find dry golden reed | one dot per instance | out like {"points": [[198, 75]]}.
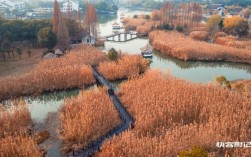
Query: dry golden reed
{"points": [[15, 126], [199, 35], [72, 70], [87, 117], [18, 147], [178, 45], [15, 120], [127, 66], [173, 115]]}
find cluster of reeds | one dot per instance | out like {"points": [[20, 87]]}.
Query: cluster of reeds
{"points": [[173, 115], [87, 117], [72, 70], [219, 34], [199, 35], [139, 24], [242, 86], [232, 41], [125, 67], [178, 45], [15, 132], [14, 120]]}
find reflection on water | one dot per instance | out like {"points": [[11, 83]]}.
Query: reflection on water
{"points": [[107, 17], [106, 21], [196, 71], [204, 72], [40, 106], [199, 71], [192, 70]]}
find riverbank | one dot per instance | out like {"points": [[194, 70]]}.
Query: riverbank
{"points": [[179, 46], [71, 71]]}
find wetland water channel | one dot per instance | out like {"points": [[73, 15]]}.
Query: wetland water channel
{"points": [[42, 106]]}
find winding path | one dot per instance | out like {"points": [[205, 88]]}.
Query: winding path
{"points": [[127, 120]]}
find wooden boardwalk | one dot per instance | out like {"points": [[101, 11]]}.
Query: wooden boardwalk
{"points": [[127, 120]]}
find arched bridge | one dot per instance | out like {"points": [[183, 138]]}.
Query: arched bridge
{"points": [[123, 36]]}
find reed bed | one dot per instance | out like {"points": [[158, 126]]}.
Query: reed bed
{"points": [[15, 120], [179, 46], [199, 35], [231, 41], [15, 132], [125, 67], [87, 117], [140, 24], [173, 115], [72, 70], [18, 147]]}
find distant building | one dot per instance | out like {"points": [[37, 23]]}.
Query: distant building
{"points": [[12, 4], [71, 5], [44, 10], [216, 7], [89, 40], [236, 11]]}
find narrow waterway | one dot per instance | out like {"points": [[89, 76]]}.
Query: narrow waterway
{"points": [[44, 108], [195, 71]]}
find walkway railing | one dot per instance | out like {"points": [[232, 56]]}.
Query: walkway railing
{"points": [[127, 120]]}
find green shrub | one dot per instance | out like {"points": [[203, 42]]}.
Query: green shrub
{"points": [[113, 54], [179, 28], [147, 17], [165, 27], [222, 80]]}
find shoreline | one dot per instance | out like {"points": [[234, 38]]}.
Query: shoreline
{"points": [[187, 52]]}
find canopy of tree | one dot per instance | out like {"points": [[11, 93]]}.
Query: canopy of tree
{"points": [[18, 30], [213, 22], [236, 25], [105, 7], [46, 38]]}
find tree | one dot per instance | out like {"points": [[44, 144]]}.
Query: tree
{"points": [[113, 54], [59, 27], [28, 51], [246, 12], [147, 17], [3, 55], [55, 18], [213, 23], [63, 39], [236, 26], [46, 38], [155, 15], [243, 28], [19, 51], [91, 20]]}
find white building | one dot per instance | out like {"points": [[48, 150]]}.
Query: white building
{"points": [[89, 40], [12, 4], [70, 5]]}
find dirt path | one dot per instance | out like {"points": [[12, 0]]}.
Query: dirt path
{"points": [[21, 66]]}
